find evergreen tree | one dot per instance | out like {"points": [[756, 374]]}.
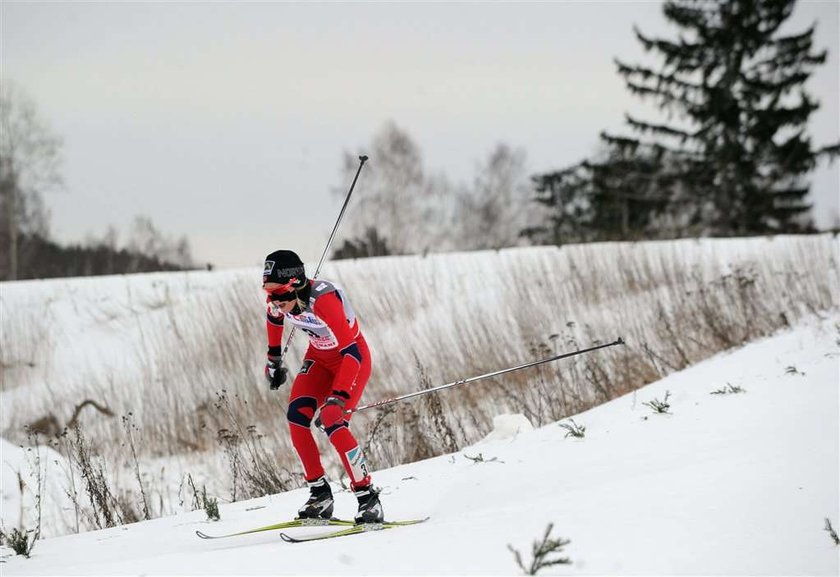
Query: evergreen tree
{"points": [[628, 192], [736, 87], [631, 191], [369, 244], [565, 194]]}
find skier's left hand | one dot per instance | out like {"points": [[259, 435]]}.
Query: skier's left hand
{"points": [[331, 412]]}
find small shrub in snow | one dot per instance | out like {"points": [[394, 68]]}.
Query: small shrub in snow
{"points": [[19, 541], [832, 532], [33, 457], [254, 469], [107, 509], [202, 501], [573, 429], [210, 504], [441, 430], [541, 552], [660, 406], [130, 430], [728, 389], [480, 459]]}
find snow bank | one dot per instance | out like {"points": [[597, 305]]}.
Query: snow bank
{"points": [[508, 427], [724, 483], [19, 489]]}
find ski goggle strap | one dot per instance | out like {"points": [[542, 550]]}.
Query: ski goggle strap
{"points": [[280, 286]]}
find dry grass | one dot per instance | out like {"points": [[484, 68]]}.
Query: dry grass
{"points": [[183, 340]]}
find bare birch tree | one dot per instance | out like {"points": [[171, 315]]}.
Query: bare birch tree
{"points": [[391, 197], [29, 165], [492, 212]]}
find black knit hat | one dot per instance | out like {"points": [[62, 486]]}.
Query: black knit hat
{"points": [[283, 266]]}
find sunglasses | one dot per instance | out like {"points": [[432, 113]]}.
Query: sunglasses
{"points": [[281, 292], [283, 297]]}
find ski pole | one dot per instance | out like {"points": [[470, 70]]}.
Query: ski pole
{"points": [[362, 160], [618, 341]]}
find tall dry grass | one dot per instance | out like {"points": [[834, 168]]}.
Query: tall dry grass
{"points": [[167, 348]]}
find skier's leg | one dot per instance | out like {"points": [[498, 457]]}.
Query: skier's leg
{"points": [[348, 449], [353, 459], [361, 378], [350, 453], [341, 438], [308, 390]]}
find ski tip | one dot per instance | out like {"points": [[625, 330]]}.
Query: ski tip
{"points": [[409, 522], [203, 535], [288, 539]]}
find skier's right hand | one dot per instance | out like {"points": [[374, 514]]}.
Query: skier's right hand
{"points": [[275, 374]]}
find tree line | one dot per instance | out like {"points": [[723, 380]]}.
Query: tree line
{"points": [[731, 157], [41, 257]]}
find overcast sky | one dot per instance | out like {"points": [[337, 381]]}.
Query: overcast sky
{"points": [[226, 122]]}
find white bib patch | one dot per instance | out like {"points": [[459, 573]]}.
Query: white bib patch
{"points": [[358, 464]]}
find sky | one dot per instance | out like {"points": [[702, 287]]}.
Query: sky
{"points": [[227, 122]]}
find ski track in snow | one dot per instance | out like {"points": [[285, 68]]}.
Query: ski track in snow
{"points": [[724, 485]]}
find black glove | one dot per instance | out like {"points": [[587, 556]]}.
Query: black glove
{"points": [[275, 374]]}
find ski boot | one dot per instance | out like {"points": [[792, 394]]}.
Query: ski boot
{"points": [[320, 504], [370, 509]]}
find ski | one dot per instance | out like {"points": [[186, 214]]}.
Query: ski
{"points": [[354, 530], [284, 525]]}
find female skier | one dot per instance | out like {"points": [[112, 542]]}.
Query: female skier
{"points": [[335, 370]]}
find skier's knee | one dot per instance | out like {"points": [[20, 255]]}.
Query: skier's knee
{"points": [[333, 428], [301, 410]]}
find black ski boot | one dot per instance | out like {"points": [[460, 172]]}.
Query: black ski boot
{"points": [[370, 509], [320, 503]]}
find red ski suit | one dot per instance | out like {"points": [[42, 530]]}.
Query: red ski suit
{"points": [[336, 363]]}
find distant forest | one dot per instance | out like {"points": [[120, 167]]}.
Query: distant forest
{"points": [[44, 258]]}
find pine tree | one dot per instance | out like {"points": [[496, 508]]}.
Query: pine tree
{"points": [[631, 193], [736, 88], [565, 195], [627, 192]]}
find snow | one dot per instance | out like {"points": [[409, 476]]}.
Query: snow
{"points": [[723, 484], [508, 427], [19, 480]]}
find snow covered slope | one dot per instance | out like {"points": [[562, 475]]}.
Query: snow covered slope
{"points": [[722, 484]]}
